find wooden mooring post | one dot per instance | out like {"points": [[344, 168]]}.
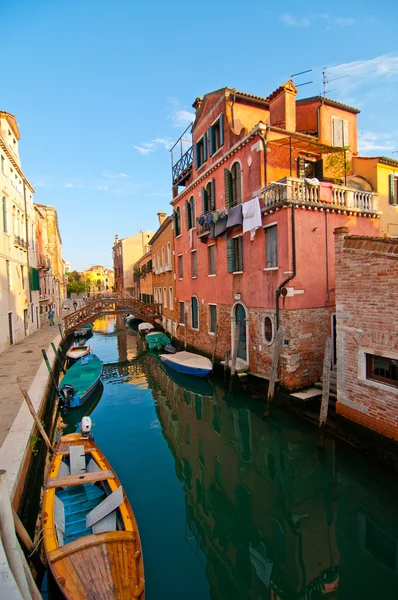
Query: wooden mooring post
{"points": [[44, 353], [274, 370], [234, 357], [226, 364], [17, 581], [59, 361], [323, 415], [35, 416], [215, 343]]}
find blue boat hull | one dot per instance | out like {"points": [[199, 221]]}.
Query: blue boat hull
{"points": [[186, 370]]}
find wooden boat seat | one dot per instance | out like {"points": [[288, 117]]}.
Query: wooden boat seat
{"points": [[89, 541], [103, 517], [77, 460], [69, 480]]}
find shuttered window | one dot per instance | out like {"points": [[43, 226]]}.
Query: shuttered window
{"points": [[216, 136], [271, 247], [177, 221], [205, 200], [188, 214], [228, 188], [180, 267], [212, 259], [194, 264], [200, 150], [393, 187], [182, 313], [34, 282], [195, 312], [236, 184], [212, 318], [235, 254], [339, 132]]}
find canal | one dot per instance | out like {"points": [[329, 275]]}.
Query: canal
{"points": [[231, 507]]}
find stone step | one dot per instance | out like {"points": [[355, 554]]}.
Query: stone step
{"points": [[332, 387]]}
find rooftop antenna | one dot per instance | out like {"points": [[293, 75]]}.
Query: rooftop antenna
{"points": [[326, 81], [301, 73]]}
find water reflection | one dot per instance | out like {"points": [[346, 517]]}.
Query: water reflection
{"points": [[70, 419], [266, 515]]}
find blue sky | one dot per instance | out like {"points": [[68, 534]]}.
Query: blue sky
{"points": [[101, 90]]}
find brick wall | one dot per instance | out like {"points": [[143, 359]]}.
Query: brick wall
{"points": [[367, 322]]}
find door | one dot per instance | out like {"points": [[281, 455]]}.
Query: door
{"points": [[240, 323], [25, 320], [37, 317], [10, 328]]}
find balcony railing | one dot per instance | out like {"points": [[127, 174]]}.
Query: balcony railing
{"points": [[204, 229], [183, 167], [299, 190], [43, 262], [20, 242]]}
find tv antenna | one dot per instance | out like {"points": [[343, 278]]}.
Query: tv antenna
{"points": [[301, 73], [326, 81]]}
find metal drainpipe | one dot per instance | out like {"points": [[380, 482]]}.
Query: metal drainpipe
{"points": [[264, 141], [279, 289]]}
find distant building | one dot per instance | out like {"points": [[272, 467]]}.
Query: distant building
{"points": [[367, 325], [100, 281], [143, 280], [126, 252], [163, 271], [19, 298]]}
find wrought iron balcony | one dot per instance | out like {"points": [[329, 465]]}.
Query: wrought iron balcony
{"points": [[302, 191], [183, 167]]}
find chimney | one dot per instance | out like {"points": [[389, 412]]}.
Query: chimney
{"points": [[162, 217], [197, 104], [282, 106], [116, 238]]}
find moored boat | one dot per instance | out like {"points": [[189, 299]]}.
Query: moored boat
{"points": [[156, 340], [188, 363], [145, 327], [91, 536], [76, 352], [80, 380]]}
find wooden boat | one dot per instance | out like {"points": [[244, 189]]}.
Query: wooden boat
{"points": [[200, 386], [91, 536], [145, 327], [81, 380], [188, 363], [76, 352]]}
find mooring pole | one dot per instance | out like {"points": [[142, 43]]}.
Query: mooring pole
{"points": [[57, 357], [226, 364], [323, 415], [215, 343], [35, 416], [234, 356], [61, 332], [274, 370], [51, 374]]}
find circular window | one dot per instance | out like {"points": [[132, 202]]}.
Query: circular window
{"points": [[268, 329]]}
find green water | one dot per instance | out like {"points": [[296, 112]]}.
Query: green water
{"points": [[230, 507]]}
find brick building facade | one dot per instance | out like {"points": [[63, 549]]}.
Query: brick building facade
{"points": [[163, 270], [275, 152], [367, 326]]}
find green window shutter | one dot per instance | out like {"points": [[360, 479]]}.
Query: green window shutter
{"points": [[212, 140], [175, 222], [204, 147], [187, 215], [301, 167], [228, 188], [231, 255], [392, 189], [197, 156], [34, 282], [204, 200], [239, 253], [213, 194], [221, 132]]}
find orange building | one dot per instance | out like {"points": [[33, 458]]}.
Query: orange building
{"points": [[163, 270], [142, 273]]}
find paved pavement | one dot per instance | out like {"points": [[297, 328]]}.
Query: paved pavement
{"points": [[22, 360]]}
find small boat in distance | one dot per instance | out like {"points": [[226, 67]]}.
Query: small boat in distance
{"points": [[81, 380], [156, 340], [188, 363], [145, 327], [76, 352], [92, 540]]}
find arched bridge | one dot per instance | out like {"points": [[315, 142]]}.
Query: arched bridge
{"points": [[110, 306]]}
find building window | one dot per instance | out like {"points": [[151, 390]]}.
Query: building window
{"points": [[381, 368], [201, 151], [164, 297], [168, 253], [182, 313], [339, 132], [2, 163], [268, 330], [271, 247], [235, 254], [393, 187], [180, 267], [177, 221], [209, 196], [190, 213], [8, 271], [160, 299], [22, 278], [195, 312], [162, 257], [212, 259], [155, 293], [212, 318], [171, 299], [233, 185], [5, 216], [194, 264], [216, 136]]}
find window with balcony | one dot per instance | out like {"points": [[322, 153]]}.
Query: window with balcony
{"points": [[201, 151], [271, 247], [209, 196], [194, 259], [339, 132], [235, 254], [382, 369], [216, 135], [190, 213], [180, 267], [233, 185], [212, 318], [212, 259], [195, 312]]}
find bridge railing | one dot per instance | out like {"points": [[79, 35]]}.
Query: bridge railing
{"points": [[108, 306]]}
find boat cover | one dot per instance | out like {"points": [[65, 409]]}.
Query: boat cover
{"points": [[154, 340]]}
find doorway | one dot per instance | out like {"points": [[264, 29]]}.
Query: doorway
{"points": [[240, 321], [25, 320], [10, 328]]}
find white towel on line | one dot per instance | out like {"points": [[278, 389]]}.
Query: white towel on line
{"points": [[251, 212]]}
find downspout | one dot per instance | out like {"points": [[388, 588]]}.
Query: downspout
{"points": [[232, 112], [264, 140], [282, 285]]}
